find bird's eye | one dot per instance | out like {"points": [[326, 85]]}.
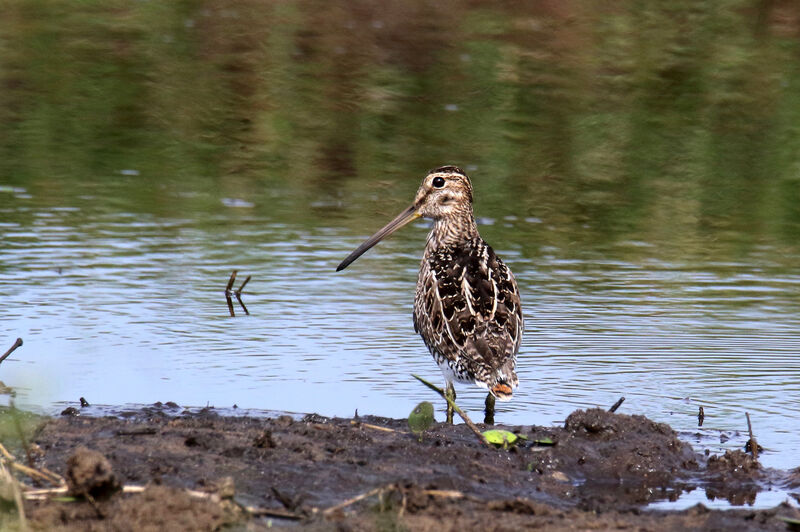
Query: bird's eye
{"points": [[438, 182]]}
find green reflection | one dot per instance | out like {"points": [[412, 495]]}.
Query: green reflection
{"points": [[669, 123]]}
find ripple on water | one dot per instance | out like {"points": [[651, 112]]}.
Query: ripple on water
{"points": [[138, 308]]}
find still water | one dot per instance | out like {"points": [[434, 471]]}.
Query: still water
{"points": [[638, 169]]}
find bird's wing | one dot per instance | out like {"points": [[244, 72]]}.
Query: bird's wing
{"points": [[468, 308]]}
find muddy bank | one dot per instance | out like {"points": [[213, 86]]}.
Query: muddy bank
{"points": [[202, 471]]}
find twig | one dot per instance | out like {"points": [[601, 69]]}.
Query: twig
{"points": [[55, 476], [370, 426], [455, 407], [5, 453], [7, 477], [616, 405], [11, 349], [753, 443], [357, 498], [230, 283], [54, 479], [229, 292], [271, 512], [239, 291], [230, 304], [449, 494], [41, 494], [239, 299], [33, 494]]}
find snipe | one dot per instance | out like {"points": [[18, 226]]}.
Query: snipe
{"points": [[467, 305]]}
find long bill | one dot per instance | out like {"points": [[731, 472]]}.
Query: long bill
{"points": [[402, 219]]}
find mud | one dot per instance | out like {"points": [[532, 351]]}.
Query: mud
{"points": [[203, 471], [90, 473]]}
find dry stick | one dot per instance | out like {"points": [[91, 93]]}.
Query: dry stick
{"points": [[753, 443], [239, 291], [449, 494], [40, 494], [271, 512], [616, 405], [34, 473], [11, 349], [239, 299], [45, 474], [5, 453], [357, 498], [455, 407], [370, 426], [7, 477], [238, 294], [228, 293], [53, 478], [34, 494], [230, 282]]}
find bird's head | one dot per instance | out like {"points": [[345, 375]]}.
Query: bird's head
{"points": [[445, 192]]}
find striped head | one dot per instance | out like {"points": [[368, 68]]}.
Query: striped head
{"points": [[446, 192]]}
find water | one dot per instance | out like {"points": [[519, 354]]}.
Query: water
{"points": [[637, 169]]}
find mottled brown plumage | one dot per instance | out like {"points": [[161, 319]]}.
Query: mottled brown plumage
{"points": [[467, 306]]}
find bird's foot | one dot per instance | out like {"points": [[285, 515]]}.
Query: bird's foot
{"points": [[450, 393]]}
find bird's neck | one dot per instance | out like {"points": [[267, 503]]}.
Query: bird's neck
{"points": [[452, 230]]}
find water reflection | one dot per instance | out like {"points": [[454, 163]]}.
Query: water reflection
{"points": [[635, 165]]}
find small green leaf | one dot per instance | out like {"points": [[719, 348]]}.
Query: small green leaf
{"points": [[421, 418], [502, 438], [64, 499], [544, 441]]}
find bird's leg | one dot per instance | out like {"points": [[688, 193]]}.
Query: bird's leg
{"points": [[488, 413], [450, 393]]}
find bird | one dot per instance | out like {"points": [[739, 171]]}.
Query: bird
{"points": [[467, 306]]}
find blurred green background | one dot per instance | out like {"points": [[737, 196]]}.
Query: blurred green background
{"points": [[668, 120]]}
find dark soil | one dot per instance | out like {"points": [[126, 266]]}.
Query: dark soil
{"points": [[601, 473], [90, 473]]}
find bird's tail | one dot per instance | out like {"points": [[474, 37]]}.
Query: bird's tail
{"points": [[502, 382], [502, 391]]}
